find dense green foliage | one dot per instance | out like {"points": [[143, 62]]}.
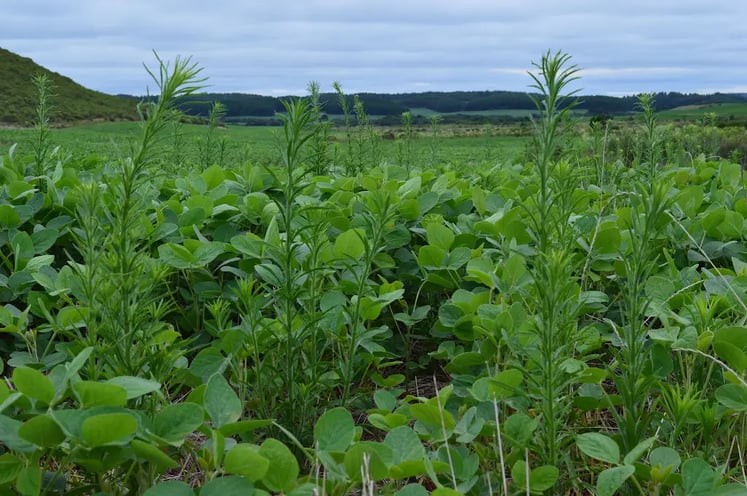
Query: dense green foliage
{"points": [[73, 102], [571, 321]]}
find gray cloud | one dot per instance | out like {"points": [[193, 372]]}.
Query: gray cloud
{"points": [[276, 47]]}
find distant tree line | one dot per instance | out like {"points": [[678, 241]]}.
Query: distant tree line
{"points": [[248, 106]]}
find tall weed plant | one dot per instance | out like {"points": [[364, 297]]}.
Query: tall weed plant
{"points": [[555, 293], [122, 293]]}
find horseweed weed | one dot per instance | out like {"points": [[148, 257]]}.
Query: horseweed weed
{"points": [[340, 320]]}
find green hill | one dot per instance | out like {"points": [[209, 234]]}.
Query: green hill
{"points": [[72, 102]]}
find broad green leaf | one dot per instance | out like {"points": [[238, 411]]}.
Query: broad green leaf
{"points": [[664, 457], [269, 273], [740, 267], [36, 263], [153, 454], [9, 428], [29, 481], [249, 244], [412, 490], [736, 335], [397, 237], [10, 466], [410, 187], [33, 384], [519, 428], [213, 176], [77, 363], [414, 468], [335, 430], [380, 456], [176, 421], [4, 391], [388, 421], [732, 396], [349, 244], [428, 200], [175, 255], [9, 217], [505, 384], [405, 444], [70, 420], [170, 488], [207, 252], [469, 426], [284, 465], [409, 209], [385, 400], [108, 428], [91, 394], [638, 451], [135, 386], [599, 447], [23, 247], [446, 491], [228, 486], [612, 479], [519, 473], [698, 478], [458, 257], [430, 414], [462, 362], [731, 490], [690, 199], [207, 363], [449, 314], [543, 478], [72, 316], [432, 257], [245, 460], [729, 343], [41, 431], [439, 235], [221, 402], [540, 479]]}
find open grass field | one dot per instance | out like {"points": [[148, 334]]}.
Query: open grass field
{"points": [[260, 144], [723, 111]]}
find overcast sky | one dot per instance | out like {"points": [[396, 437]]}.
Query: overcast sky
{"points": [[274, 47]]}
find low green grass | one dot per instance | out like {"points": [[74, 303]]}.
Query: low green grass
{"points": [[426, 112], [722, 111], [258, 144]]}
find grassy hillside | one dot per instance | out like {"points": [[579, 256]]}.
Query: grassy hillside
{"points": [[723, 112], [72, 101]]}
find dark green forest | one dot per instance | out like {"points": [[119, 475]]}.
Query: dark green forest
{"points": [[240, 105]]}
